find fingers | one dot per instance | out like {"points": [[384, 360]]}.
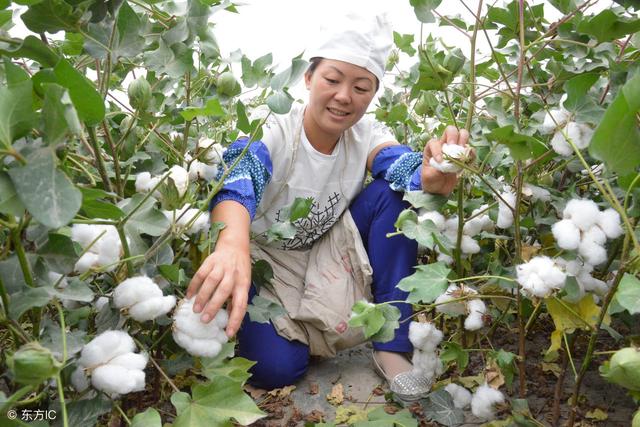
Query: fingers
{"points": [[207, 289], [220, 296], [238, 310], [200, 276], [433, 149]]}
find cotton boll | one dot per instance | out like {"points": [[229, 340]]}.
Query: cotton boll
{"points": [[426, 364], [505, 214], [484, 400], [145, 182], [79, 379], [609, 222], [444, 258], [101, 302], [584, 213], [84, 234], [436, 217], [105, 347], [180, 178], [199, 170], [536, 193], [152, 308], [134, 290], [449, 151], [214, 150], [453, 308], [560, 145], [116, 380], [595, 234], [468, 245], [86, 262], [540, 276], [424, 336], [475, 319], [592, 252], [566, 233], [460, 395], [580, 134], [591, 284], [196, 346], [131, 360], [559, 115]]}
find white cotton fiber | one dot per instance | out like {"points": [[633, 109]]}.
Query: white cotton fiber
{"points": [[184, 215], [566, 233], [436, 217], [85, 262], [505, 214], [579, 133], [101, 243], [609, 222], [540, 276], [553, 119], [115, 380], [105, 347], [424, 336], [461, 396], [483, 402], [195, 336], [595, 235], [426, 364], [468, 245], [79, 379], [592, 252], [101, 302], [457, 308], [199, 170], [214, 150], [152, 308], [133, 290], [475, 320], [444, 258], [131, 360], [560, 145], [145, 182], [449, 151], [584, 213], [180, 178], [536, 193]]}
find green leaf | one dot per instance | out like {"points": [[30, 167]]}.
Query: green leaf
{"points": [[51, 16], [576, 89], [130, 42], [85, 412], [60, 253], [280, 102], [258, 72], [379, 320], [564, 6], [32, 48], [427, 283], [147, 219], [299, 209], [16, 110], [11, 272], [422, 232], [262, 310], [607, 26], [619, 124], [98, 209], [424, 9], [148, 418], [290, 76], [10, 203], [439, 407], [403, 41], [261, 273], [47, 193], [281, 231], [215, 404], [85, 97], [420, 199], [506, 362], [379, 418], [58, 114], [453, 352], [173, 60], [521, 147], [628, 293], [77, 290], [243, 121], [27, 299], [211, 108]]}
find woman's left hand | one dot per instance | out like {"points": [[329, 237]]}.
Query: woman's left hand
{"points": [[434, 181]]}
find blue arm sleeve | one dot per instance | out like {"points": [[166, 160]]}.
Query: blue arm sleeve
{"points": [[247, 181], [400, 166]]}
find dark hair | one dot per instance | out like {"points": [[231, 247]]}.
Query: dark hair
{"points": [[316, 61]]}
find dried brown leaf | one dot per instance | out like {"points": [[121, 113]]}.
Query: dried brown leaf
{"points": [[314, 388], [336, 396]]}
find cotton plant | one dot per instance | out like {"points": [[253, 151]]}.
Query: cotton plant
{"points": [[540, 277], [141, 299], [101, 244], [586, 229], [484, 402], [195, 336], [425, 338], [110, 364], [473, 308], [145, 182], [183, 216]]}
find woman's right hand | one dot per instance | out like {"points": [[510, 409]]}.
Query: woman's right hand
{"points": [[226, 273]]}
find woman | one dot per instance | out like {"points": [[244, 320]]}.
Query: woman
{"points": [[340, 253]]}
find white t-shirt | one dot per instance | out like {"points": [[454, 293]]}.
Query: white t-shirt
{"points": [[332, 180]]}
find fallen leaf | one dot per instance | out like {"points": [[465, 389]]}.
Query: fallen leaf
{"points": [[471, 381], [282, 392], [350, 414], [314, 388], [314, 416], [493, 375], [529, 251], [378, 391], [554, 368], [254, 392], [391, 409], [597, 414], [295, 418], [336, 396]]}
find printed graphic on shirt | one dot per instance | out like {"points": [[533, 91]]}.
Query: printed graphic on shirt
{"points": [[318, 222]]}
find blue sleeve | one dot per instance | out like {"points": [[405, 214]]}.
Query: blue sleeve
{"points": [[247, 181], [400, 166]]}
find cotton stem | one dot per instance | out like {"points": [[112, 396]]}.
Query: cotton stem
{"points": [[116, 161], [457, 253], [518, 257], [472, 69], [106, 183]]}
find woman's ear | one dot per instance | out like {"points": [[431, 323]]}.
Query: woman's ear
{"points": [[307, 79]]}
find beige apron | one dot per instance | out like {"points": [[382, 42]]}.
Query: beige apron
{"points": [[318, 287]]}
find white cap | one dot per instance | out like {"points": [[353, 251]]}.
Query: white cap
{"points": [[356, 39]]}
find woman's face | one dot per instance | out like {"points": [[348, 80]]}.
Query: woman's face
{"points": [[339, 94]]}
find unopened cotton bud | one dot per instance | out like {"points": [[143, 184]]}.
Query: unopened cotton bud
{"points": [[436, 217], [584, 213], [460, 395], [554, 119], [566, 233], [609, 222], [484, 400]]}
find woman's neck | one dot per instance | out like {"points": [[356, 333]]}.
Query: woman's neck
{"points": [[321, 141]]}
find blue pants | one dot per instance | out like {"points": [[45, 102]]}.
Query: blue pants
{"points": [[281, 362]]}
